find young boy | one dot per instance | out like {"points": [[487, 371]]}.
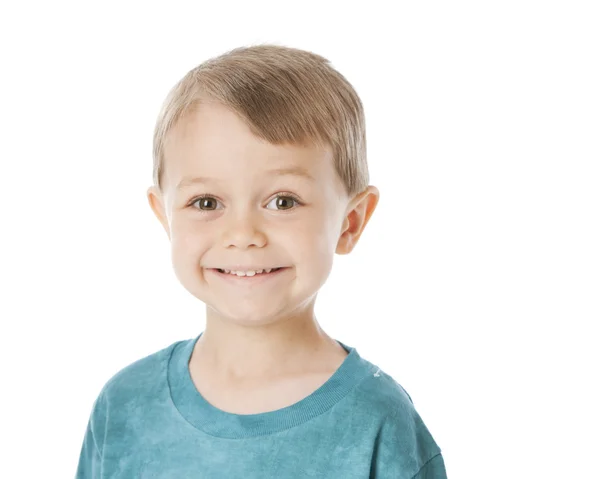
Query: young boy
{"points": [[260, 177]]}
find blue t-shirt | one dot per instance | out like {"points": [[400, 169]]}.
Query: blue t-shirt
{"points": [[150, 421]]}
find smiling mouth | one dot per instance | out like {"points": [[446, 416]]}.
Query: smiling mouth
{"points": [[250, 274]]}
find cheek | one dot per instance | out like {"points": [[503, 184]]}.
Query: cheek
{"points": [[324, 234], [313, 242], [190, 231], [188, 245]]}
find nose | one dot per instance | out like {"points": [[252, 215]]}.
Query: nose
{"points": [[242, 231]]}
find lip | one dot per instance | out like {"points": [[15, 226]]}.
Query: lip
{"points": [[248, 280]]}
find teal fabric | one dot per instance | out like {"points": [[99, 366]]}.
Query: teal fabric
{"points": [[150, 421]]}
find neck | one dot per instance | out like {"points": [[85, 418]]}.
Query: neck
{"points": [[233, 352]]}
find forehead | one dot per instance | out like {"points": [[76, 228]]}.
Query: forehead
{"points": [[211, 141]]}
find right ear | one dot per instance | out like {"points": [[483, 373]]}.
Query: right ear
{"points": [[156, 201]]}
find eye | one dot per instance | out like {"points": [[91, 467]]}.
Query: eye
{"points": [[286, 202], [206, 203]]}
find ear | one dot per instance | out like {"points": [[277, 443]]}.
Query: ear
{"points": [[357, 216], [156, 201]]}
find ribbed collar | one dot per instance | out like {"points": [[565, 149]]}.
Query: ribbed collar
{"points": [[216, 422]]}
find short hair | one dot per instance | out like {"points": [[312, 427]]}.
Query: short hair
{"points": [[285, 96]]}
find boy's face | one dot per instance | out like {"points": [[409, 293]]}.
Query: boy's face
{"points": [[252, 216]]}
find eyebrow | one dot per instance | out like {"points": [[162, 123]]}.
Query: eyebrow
{"points": [[292, 171]]}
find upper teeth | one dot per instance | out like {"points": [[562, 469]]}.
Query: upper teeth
{"points": [[248, 273]]}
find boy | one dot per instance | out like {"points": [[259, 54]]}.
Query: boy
{"points": [[260, 176]]}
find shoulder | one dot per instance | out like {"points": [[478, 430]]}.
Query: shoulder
{"points": [[402, 441], [384, 396], [141, 376], [124, 392]]}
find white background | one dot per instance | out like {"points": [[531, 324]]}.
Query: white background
{"points": [[476, 284]]}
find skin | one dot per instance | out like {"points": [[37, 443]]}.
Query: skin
{"points": [[256, 333]]}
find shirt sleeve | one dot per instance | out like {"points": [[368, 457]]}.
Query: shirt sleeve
{"points": [[433, 469], [90, 457], [405, 449]]}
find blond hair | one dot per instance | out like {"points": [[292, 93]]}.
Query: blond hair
{"points": [[285, 96]]}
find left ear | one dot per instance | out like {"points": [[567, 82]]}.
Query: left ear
{"points": [[358, 214]]}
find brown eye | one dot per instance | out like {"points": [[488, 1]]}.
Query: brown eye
{"points": [[284, 202], [206, 203]]}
